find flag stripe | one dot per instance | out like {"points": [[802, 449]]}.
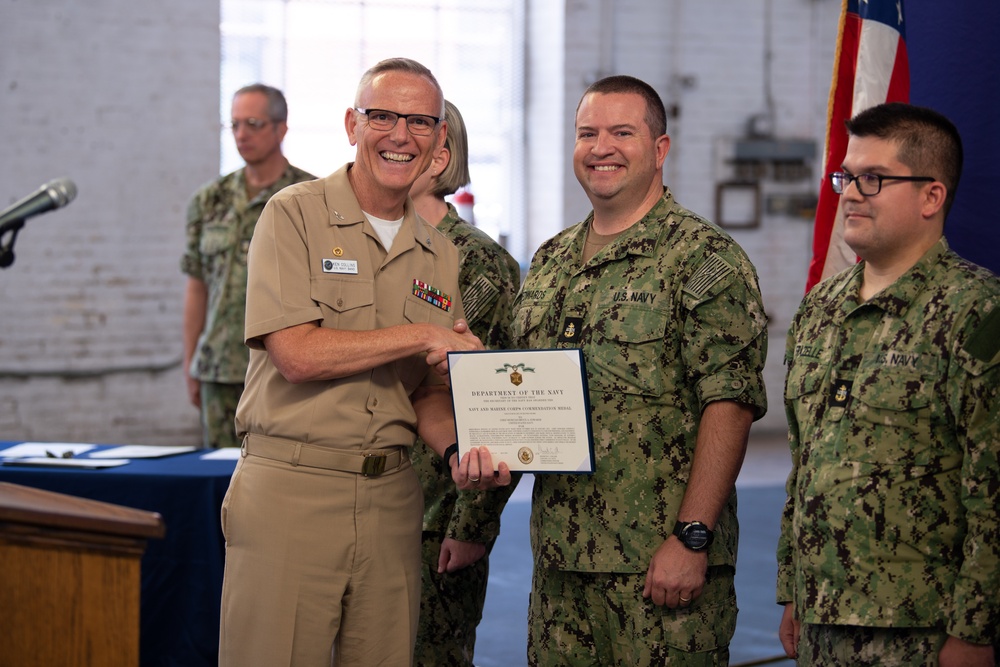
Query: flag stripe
{"points": [[870, 67], [877, 47]]}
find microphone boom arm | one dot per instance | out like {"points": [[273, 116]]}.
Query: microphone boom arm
{"points": [[7, 249]]}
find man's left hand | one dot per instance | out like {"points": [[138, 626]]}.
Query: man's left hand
{"points": [[475, 471], [456, 554]]}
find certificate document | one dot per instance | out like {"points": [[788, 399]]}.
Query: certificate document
{"points": [[529, 407]]}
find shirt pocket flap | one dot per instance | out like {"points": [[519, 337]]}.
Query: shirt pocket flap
{"points": [[631, 324], [419, 311], [527, 319], [802, 380], [894, 391], [342, 294]]}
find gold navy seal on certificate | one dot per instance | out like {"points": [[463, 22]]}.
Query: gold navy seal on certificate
{"points": [[529, 407]]}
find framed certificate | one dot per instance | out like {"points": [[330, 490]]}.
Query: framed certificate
{"points": [[528, 407]]}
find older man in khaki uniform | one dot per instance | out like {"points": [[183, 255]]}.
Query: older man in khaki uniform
{"points": [[352, 304]]}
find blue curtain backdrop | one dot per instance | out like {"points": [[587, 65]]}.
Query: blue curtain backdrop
{"points": [[955, 68]]}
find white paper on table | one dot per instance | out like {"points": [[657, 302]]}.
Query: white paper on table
{"points": [[222, 454], [140, 452], [48, 462], [28, 449]]}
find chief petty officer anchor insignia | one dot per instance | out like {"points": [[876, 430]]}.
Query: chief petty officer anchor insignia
{"points": [[571, 330], [839, 393]]}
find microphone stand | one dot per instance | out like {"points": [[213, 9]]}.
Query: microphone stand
{"points": [[7, 249]]}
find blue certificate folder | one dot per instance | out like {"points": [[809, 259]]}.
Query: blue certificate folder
{"points": [[530, 408]]}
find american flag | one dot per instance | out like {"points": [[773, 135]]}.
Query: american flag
{"points": [[870, 67]]}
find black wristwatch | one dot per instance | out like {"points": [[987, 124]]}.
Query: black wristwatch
{"points": [[695, 535]]}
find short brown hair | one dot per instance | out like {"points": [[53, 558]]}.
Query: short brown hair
{"points": [[929, 143], [656, 114], [277, 107]]}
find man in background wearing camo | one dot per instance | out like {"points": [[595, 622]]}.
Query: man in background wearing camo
{"points": [[890, 541], [634, 563], [220, 221]]}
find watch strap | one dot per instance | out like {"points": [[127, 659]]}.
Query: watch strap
{"points": [[446, 458]]}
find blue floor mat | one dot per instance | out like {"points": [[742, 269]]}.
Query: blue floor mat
{"points": [[502, 637]]}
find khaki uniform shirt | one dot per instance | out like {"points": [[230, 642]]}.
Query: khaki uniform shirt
{"points": [[893, 406], [669, 318], [315, 258], [220, 222]]}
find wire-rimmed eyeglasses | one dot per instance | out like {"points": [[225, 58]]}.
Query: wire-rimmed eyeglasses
{"points": [[869, 185], [416, 123]]}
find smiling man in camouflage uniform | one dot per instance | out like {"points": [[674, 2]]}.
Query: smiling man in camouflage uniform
{"points": [[220, 221], [890, 542], [634, 564]]}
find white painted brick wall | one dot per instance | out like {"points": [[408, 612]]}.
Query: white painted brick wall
{"points": [[123, 97]]}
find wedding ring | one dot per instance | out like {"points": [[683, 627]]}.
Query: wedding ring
{"points": [[474, 481], [685, 599]]}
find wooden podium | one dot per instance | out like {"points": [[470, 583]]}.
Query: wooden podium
{"points": [[69, 579]]}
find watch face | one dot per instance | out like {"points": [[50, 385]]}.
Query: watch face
{"points": [[695, 536]]}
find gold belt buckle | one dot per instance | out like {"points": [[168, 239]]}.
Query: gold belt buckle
{"points": [[374, 465]]}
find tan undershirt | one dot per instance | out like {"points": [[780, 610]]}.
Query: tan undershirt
{"points": [[596, 242]]}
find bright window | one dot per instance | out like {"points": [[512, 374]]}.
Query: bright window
{"points": [[315, 51]]}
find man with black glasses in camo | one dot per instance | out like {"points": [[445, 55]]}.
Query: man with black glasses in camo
{"points": [[890, 543]]}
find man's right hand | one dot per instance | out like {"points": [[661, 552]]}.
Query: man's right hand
{"points": [[194, 391], [788, 631], [459, 339]]}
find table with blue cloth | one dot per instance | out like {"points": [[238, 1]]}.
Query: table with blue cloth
{"points": [[182, 573]]}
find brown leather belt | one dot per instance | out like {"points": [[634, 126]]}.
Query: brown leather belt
{"points": [[370, 464]]}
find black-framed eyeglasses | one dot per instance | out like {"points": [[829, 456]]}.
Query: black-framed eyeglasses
{"points": [[252, 124], [869, 185], [416, 123]]}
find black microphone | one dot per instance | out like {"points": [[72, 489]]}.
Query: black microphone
{"points": [[52, 195]]}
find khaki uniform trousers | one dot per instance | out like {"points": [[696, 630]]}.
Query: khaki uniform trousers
{"points": [[322, 566]]}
